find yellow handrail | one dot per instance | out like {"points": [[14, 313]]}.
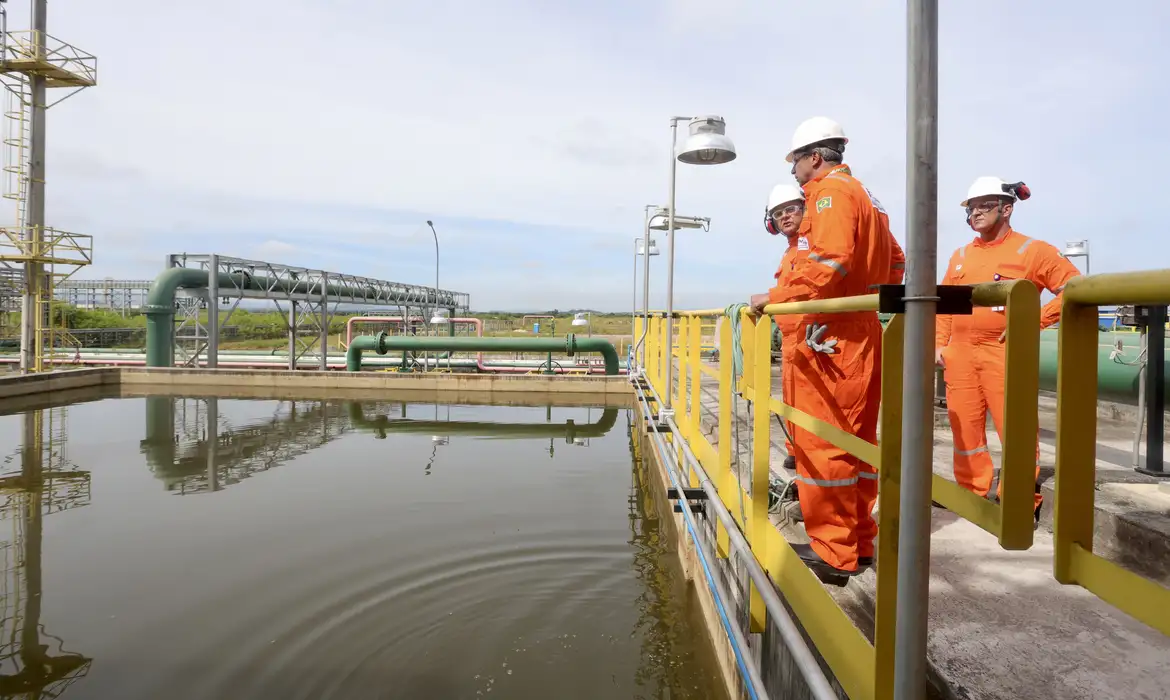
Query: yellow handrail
{"points": [[865, 670], [1076, 445]]}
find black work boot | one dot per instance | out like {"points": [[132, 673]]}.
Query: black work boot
{"points": [[824, 571]]}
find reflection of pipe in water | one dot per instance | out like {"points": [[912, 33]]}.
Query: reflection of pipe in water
{"points": [[381, 426], [213, 458], [37, 672]]}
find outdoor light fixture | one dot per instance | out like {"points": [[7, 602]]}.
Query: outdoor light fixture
{"points": [[441, 316], [660, 221], [580, 320], [708, 143]]}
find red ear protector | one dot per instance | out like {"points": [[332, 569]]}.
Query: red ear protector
{"points": [[770, 224], [1018, 190]]}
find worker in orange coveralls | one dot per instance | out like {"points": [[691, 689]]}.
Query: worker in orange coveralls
{"points": [[785, 214], [837, 359], [970, 348]]}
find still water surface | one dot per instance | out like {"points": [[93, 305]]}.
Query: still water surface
{"points": [[216, 548]]}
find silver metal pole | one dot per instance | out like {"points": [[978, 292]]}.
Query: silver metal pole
{"points": [[436, 235], [292, 335], [634, 308], [921, 305], [324, 323], [645, 285], [1141, 402], [31, 342], [669, 341], [212, 313]]}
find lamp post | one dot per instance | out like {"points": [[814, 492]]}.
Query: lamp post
{"points": [[435, 233], [707, 145], [646, 247], [1078, 249]]}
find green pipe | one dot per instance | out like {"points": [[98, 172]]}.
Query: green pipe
{"points": [[160, 309], [570, 344], [382, 425], [1115, 381], [160, 302]]}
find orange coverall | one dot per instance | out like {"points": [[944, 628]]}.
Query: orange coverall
{"points": [[789, 324], [851, 249], [973, 356]]}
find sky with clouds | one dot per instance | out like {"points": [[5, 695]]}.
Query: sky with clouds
{"points": [[533, 133]]}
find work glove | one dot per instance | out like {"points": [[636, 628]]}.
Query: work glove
{"points": [[812, 337]]}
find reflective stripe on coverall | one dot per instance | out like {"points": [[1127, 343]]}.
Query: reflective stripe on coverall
{"points": [[789, 324], [974, 358], [851, 249]]}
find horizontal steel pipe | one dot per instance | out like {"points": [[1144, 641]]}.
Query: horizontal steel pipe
{"points": [[570, 345]]}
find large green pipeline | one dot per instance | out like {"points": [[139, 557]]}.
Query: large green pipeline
{"points": [[160, 309], [570, 344], [382, 425], [160, 302], [1115, 381]]}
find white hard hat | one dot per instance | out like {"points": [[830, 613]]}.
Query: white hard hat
{"points": [[988, 186], [783, 194], [815, 130]]}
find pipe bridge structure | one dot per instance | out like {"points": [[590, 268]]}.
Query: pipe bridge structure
{"points": [[191, 284]]}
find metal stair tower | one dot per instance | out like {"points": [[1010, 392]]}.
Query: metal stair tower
{"points": [[31, 62]]}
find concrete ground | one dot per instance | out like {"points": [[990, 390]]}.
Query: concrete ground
{"points": [[1000, 624]]}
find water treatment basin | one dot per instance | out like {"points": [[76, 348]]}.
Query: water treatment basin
{"points": [[180, 547]]}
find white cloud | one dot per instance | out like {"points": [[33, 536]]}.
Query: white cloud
{"points": [[336, 128]]}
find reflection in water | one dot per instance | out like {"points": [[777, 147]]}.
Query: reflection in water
{"points": [[34, 663], [193, 448], [488, 575]]}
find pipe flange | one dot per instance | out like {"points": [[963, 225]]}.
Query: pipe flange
{"points": [[570, 344], [380, 342]]}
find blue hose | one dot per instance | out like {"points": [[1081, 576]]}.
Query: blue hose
{"points": [[739, 660], [688, 519]]}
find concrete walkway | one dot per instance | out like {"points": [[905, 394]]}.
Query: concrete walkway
{"points": [[1000, 624]]}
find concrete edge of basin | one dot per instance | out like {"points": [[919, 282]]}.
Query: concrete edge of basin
{"points": [[23, 392]]}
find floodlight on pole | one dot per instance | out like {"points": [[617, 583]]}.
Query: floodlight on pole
{"points": [[707, 144], [441, 317]]}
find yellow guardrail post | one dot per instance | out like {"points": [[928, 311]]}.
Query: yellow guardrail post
{"points": [[724, 479], [694, 360], [680, 399], [889, 507], [761, 369], [637, 334], [1012, 519], [654, 353], [747, 330], [1076, 445]]}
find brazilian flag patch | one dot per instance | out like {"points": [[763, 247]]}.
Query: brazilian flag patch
{"points": [[824, 203]]}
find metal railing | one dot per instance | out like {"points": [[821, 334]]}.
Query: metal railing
{"points": [[865, 669], [1076, 440]]}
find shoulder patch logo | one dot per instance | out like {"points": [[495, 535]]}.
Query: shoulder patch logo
{"points": [[824, 203]]}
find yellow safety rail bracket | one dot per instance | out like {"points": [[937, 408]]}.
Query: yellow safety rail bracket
{"points": [[1076, 445], [889, 504], [760, 342], [724, 478], [1012, 519]]}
